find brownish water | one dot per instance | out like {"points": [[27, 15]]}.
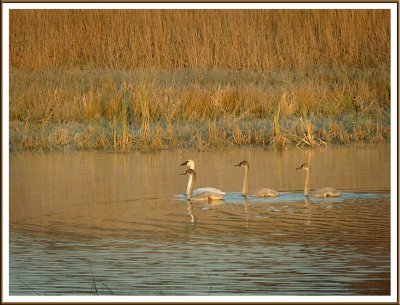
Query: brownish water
{"points": [[97, 223]]}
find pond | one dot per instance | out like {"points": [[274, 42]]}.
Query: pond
{"points": [[88, 223]]}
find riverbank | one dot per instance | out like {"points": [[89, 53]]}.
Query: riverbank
{"points": [[211, 134]]}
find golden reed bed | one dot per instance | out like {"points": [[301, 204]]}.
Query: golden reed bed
{"points": [[141, 79]]}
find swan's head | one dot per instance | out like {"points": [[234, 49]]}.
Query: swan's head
{"points": [[243, 163], [304, 166], [189, 163], [190, 172]]}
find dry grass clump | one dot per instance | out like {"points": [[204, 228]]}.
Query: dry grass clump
{"points": [[45, 96], [147, 111]]}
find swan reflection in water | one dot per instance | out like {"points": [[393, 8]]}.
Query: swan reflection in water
{"points": [[190, 212], [308, 207]]}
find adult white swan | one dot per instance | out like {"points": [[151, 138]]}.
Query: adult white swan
{"points": [[205, 193]]}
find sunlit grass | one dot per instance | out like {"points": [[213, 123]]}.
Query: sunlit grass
{"points": [[151, 80], [256, 40], [114, 111]]}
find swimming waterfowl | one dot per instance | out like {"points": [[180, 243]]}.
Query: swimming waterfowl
{"points": [[205, 193], [264, 192], [319, 192]]}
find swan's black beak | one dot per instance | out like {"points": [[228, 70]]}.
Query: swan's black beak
{"points": [[183, 173], [237, 164], [300, 167], [184, 163]]}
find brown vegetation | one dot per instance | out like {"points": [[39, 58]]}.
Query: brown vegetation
{"points": [[141, 79], [202, 39]]}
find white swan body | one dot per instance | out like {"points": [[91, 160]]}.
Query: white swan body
{"points": [[200, 194], [263, 192], [319, 192]]}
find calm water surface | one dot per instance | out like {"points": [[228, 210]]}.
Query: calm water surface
{"points": [[110, 224]]}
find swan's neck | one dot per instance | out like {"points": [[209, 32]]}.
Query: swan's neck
{"points": [[189, 189], [245, 181], [307, 185]]}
